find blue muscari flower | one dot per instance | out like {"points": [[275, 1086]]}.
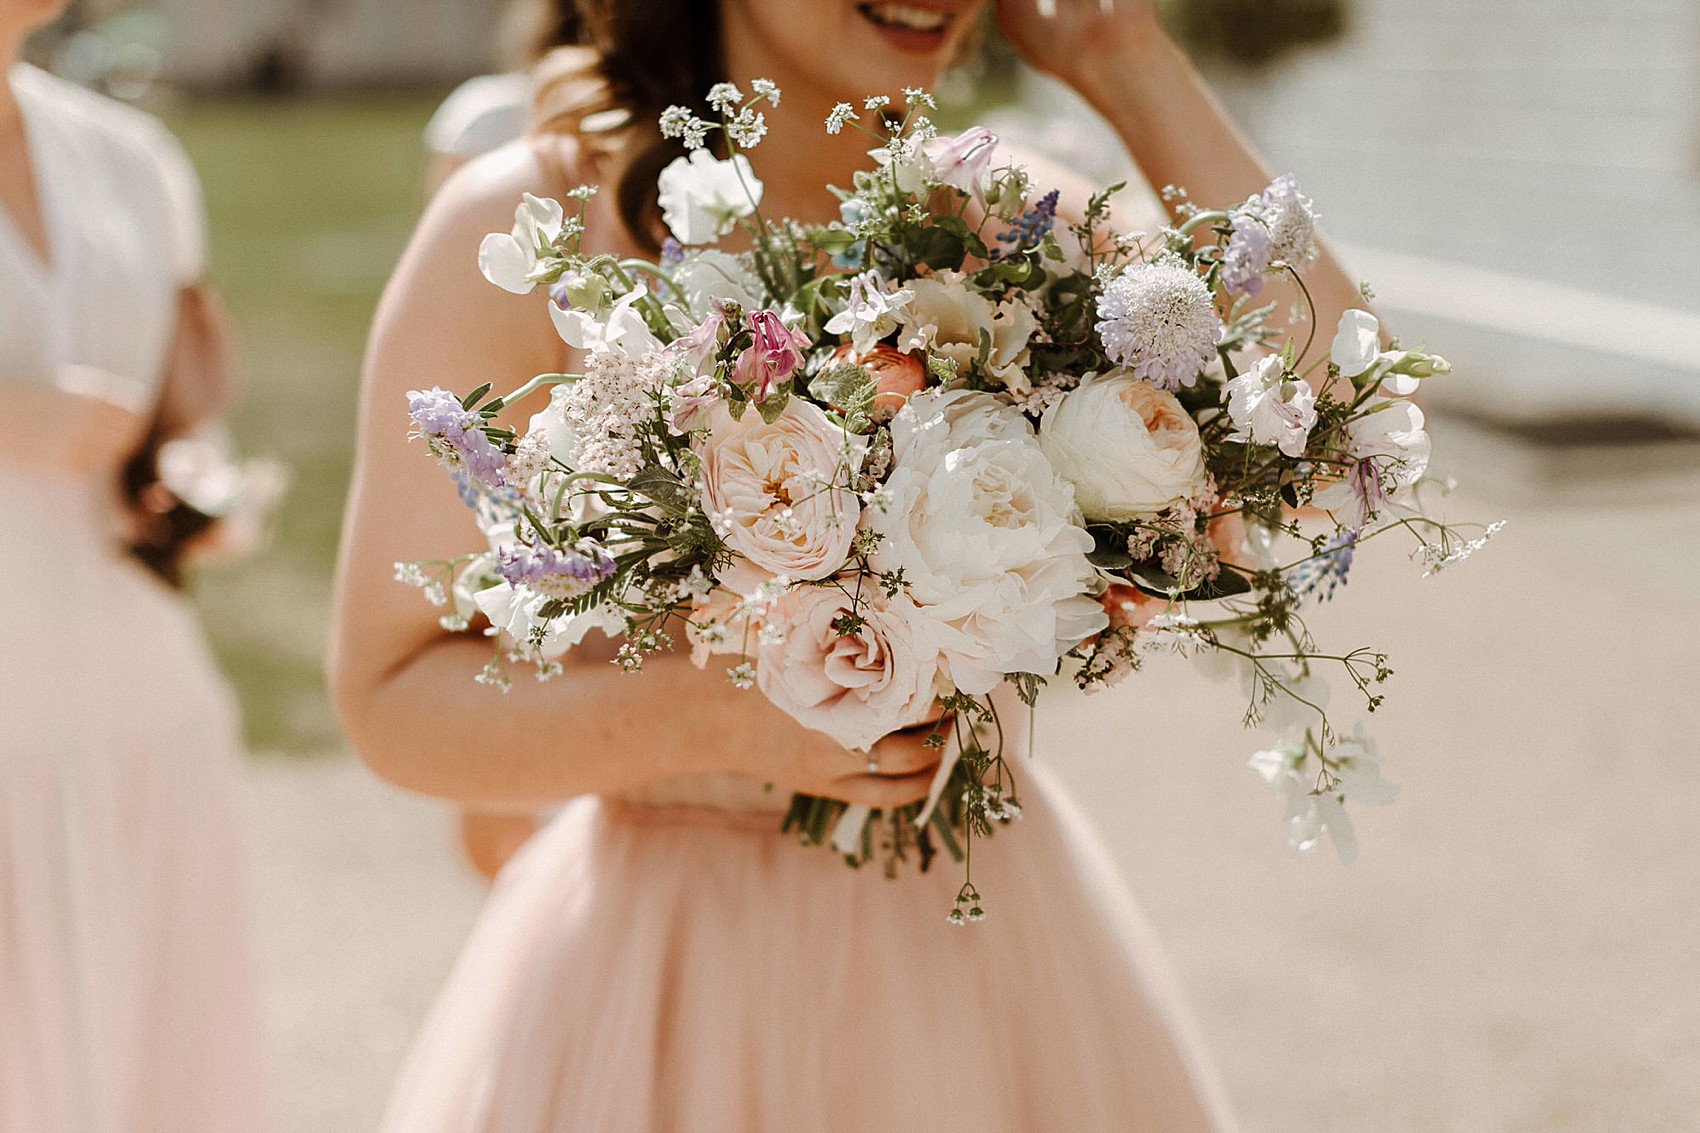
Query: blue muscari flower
{"points": [[672, 252], [1327, 572], [1030, 227]]}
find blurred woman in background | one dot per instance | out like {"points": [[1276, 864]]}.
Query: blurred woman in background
{"points": [[126, 1000]]}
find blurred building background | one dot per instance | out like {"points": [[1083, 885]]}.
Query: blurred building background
{"points": [[1518, 179]]}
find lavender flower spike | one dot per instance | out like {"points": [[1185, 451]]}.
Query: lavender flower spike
{"points": [[455, 434]]}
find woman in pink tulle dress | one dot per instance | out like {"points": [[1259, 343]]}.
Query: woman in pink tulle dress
{"points": [[659, 956], [127, 1004]]}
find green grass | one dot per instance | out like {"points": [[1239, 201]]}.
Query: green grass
{"points": [[310, 203]]}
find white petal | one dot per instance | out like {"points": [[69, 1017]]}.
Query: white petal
{"points": [[505, 263], [1356, 343]]}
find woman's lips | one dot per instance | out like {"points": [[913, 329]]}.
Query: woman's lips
{"points": [[918, 29]]}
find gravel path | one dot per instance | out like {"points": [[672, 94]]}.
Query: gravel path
{"points": [[1518, 948]]}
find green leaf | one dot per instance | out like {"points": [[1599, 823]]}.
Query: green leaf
{"points": [[1154, 580], [846, 387], [936, 247], [474, 397], [774, 404], [663, 488]]}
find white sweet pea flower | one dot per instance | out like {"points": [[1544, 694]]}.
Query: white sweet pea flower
{"points": [[1359, 771], [1269, 407], [621, 327], [516, 612], [1357, 351], [511, 260], [1357, 342], [703, 198], [1308, 813], [707, 276], [1390, 452], [872, 312]]}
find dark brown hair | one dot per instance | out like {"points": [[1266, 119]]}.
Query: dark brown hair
{"points": [[634, 58]]}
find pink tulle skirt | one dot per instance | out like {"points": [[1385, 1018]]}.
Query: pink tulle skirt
{"points": [[677, 967]]}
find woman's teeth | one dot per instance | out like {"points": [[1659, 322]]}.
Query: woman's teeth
{"points": [[907, 17]]}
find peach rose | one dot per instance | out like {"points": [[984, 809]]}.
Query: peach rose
{"points": [[1129, 448], [856, 687], [897, 374]]}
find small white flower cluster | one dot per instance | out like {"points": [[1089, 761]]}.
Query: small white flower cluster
{"points": [[610, 409], [1439, 556]]}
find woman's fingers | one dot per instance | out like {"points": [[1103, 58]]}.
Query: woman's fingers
{"points": [[899, 755], [882, 792]]}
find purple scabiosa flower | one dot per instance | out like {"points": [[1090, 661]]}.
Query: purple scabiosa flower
{"points": [[555, 573], [1159, 321], [1276, 226], [455, 434]]}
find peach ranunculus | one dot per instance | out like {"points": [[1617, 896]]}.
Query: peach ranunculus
{"points": [[1129, 448], [855, 686], [778, 493], [1129, 607], [896, 374]]}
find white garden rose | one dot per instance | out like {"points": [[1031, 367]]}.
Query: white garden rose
{"points": [[856, 687], [777, 493], [1128, 448], [987, 537], [946, 317]]}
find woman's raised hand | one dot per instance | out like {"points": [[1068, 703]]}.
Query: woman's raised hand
{"points": [[1062, 37]]}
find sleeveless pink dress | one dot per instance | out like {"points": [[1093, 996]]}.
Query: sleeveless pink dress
{"points": [[671, 962]]}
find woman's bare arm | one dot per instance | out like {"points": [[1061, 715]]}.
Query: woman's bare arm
{"points": [[404, 687]]}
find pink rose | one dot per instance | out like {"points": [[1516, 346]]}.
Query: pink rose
{"points": [[778, 494], [771, 358], [853, 685]]}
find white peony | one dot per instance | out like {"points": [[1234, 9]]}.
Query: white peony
{"points": [[856, 687], [511, 260], [987, 537], [777, 493], [946, 317], [1128, 448], [703, 198], [1270, 407]]}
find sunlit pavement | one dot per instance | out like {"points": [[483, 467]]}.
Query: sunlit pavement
{"points": [[1516, 949]]}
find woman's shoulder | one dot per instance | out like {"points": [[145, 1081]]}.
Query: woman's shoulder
{"points": [[493, 183]]}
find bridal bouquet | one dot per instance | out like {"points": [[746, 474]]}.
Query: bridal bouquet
{"points": [[882, 467]]}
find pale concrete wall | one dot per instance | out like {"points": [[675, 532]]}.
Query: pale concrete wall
{"points": [[1520, 179]]}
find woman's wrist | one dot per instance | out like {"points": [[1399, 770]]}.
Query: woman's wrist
{"points": [[1128, 71]]}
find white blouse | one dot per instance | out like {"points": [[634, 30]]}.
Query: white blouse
{"points": [[122, 211]]}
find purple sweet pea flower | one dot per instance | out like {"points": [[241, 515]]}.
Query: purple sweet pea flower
{"points": [[455, 434], [771, 358], [1250, 249], [555, 573]]}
